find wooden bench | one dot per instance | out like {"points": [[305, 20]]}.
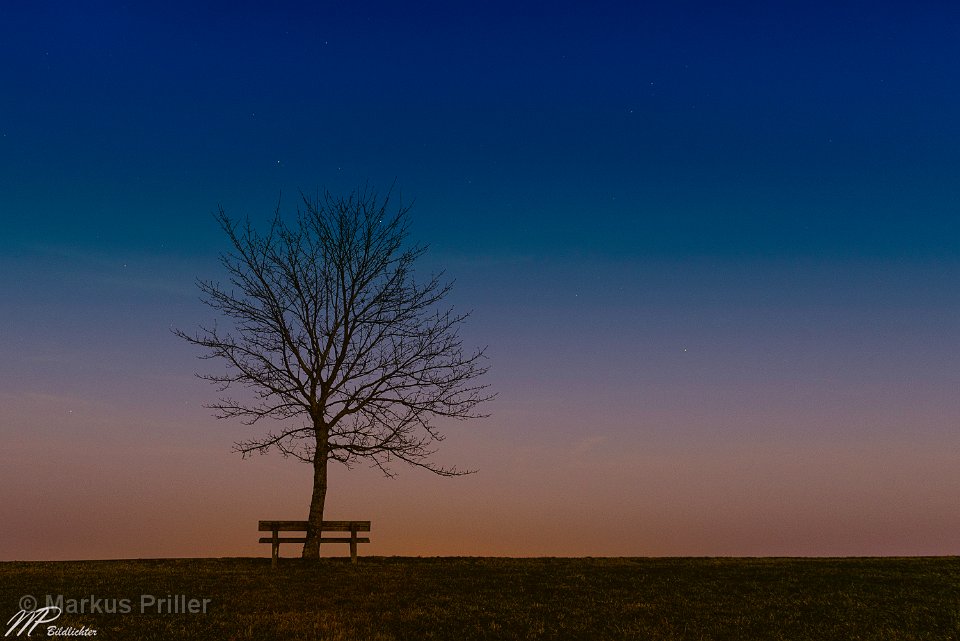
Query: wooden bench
{"points": [[301, 526]]}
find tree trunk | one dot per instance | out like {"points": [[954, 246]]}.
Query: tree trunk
{"points": [[311, 549]]}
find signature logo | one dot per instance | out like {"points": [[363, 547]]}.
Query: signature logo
{"points": [[28, 620]]}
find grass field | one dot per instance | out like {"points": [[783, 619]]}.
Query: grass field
{"points": [[495, 598]]}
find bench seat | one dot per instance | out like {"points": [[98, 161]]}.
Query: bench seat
{"points": [[275, 527]]}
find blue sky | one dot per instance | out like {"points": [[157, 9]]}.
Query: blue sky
{"points": [[689, 231], [676, 130]]}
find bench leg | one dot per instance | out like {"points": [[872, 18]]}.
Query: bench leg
{"points": [[353, 545], [276, 549]]}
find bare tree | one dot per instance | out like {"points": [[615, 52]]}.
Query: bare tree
{"points": [[352, 358]]}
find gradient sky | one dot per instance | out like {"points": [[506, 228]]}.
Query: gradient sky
{"points": [[713, 248]]}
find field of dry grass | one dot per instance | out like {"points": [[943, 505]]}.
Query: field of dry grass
{"points": [[399, 599]]}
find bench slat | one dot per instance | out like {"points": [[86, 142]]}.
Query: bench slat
{"points": [[294, 539], [285, 539], [343, 539], [301, 526]]}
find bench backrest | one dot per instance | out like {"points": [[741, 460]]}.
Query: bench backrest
{"points": [[301, 526]]}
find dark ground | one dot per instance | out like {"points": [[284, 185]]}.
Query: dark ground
{"points": [[498, 598]]}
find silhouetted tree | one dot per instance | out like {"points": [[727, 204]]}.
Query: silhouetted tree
{"points": [[338, 342]]}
